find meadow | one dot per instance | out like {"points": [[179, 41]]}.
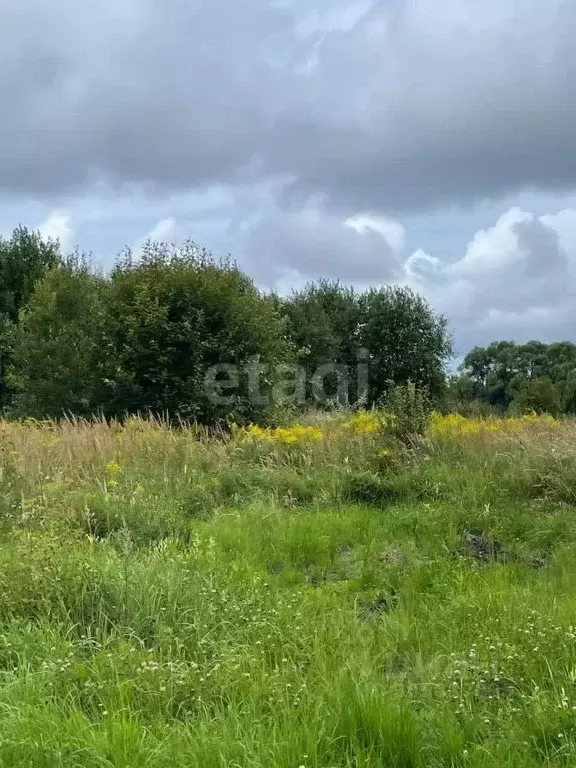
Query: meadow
{"points": [[324, 594]]}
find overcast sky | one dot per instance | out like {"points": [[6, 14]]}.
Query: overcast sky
{"points": [[411, 141]]}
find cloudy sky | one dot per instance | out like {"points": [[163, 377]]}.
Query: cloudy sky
{"points": [[411, 141]]}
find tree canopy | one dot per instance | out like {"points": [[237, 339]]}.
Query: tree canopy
{"points": [[24, 258], [531, 376], [181, 333]]}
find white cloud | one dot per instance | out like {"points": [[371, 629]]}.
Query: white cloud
{"points": [[495, 248], [165, 231], [58, 226], [421, 265], [391, 231], [564, 223], [516, 279], [315, 242]]}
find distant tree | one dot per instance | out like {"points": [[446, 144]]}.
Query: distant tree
{"points": [[502, 379], [532, 360], [567, 391], [323, 324], [461, 389], [560, 361], [501, 370], [477, 365], [538, 395]]}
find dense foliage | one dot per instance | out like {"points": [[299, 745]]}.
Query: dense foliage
{"points": [[24, 258], [179, 332], [532, 376], [381, 338]]}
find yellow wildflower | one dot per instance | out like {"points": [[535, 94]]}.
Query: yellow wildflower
{"points": [[454, 425], [363, 423], [285, 435]]}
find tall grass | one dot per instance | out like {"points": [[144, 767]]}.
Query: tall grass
{"points": [[173, 598]]}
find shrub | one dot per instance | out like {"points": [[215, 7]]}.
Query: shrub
{"points": [[409, 407], [538, 396]]}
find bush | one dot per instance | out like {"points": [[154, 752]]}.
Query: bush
{"points": [[537, 396], [409, 408]]}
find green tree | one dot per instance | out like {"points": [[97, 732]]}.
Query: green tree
{"points": [[406, 341], [538, 395], [461, 389], [532, 360], [60, 357], [477, 365], [501, 370], [323, 324], [391, 332], [560, 361], [24, 258], [177, 315], [502, 378]]}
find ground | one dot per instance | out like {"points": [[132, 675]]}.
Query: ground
{"points": [[323, 595]]}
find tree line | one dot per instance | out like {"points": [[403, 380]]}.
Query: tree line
{"points": [[506, 376], [147, 336]]}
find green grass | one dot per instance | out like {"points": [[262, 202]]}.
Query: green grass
{"points": [[207, 604]]}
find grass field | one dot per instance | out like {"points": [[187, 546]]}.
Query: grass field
{"points": [[320, 595]]}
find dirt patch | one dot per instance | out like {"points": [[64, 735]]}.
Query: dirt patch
{"points": [[392, 557], [482, 548], [485, 549], [381, 604]]}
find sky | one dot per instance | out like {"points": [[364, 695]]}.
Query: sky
{"points": [[416, 142]]}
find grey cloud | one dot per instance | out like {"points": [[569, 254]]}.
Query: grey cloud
{"points": [[442, 103], [379, 106], [314, 243], [168, 94]]}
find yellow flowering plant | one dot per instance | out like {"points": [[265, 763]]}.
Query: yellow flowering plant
{"points": [[363, 423], [284, 435], [455, 425]]}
